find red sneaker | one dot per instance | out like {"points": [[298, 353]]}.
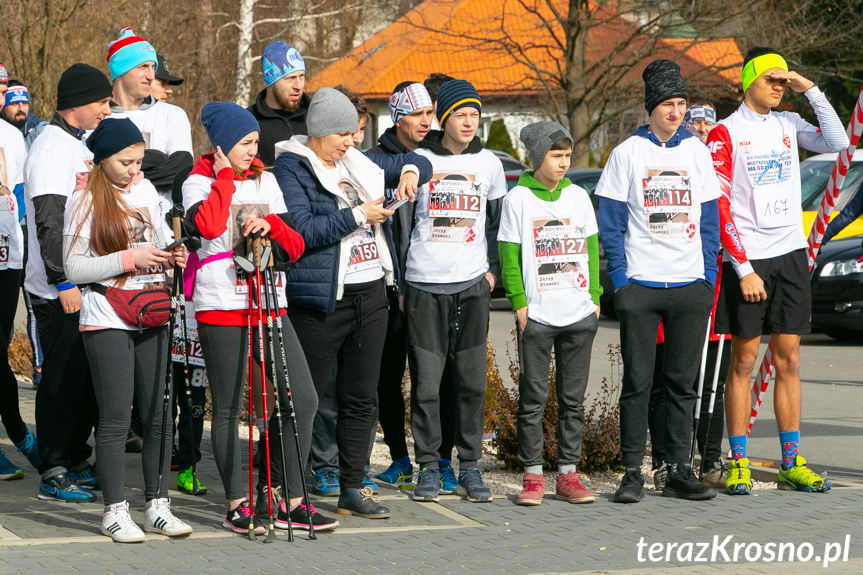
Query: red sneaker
{"points": [[532, 490], [569, 488]]}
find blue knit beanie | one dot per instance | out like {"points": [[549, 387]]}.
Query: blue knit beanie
{"points": [[111, 136], [453, 95], [128, 51], [227, 123], [280, 60]]}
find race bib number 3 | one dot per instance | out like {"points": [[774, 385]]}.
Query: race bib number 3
{"points": [[455, 203], [560, 255], [668, 204]]}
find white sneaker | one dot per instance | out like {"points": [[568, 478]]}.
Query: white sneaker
{"points": [[118, 525], [159, 519]]}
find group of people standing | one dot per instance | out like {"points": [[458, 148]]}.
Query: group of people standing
{"points": [[386, 257]]}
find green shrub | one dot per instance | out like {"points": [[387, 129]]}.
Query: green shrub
{"points": [[498, 138], [601, 441]]}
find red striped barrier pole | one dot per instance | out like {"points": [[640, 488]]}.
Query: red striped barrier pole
{"points": [[816, 234]]}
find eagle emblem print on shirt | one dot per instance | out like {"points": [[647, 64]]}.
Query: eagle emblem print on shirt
{"points": [[560, 254], [668, 204], [455, 202]]}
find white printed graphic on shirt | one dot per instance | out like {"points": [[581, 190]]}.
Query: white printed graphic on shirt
{"points": [[141, 234], [770, 172], [668, 204], [455, 201], [560, 254], [364, 251]]}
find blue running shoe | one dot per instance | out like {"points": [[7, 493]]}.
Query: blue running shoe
{"points": [[327, 483], [30, 449], [85, 477], [367, 482], [470, 480], [448, 481], [59, 488], [8, 470], [398, 473]]}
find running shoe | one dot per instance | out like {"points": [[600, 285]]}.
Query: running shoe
{"points": [[300, 516], [367, 482], [427, 487], [326, 483], [29, 448], [8, 470], [715, 474], [448, 481], [532, 490], [739, 480], [85, 477], [801, 478], [185, 483], [470, 480], [660, 476], [569, 488], [631, 488], [58, 487], [398, 473], [239, 519], [118, 525], [159, 519]]}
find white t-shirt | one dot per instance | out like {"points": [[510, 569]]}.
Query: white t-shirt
{"points": [[165, 127], [54, 159], [146, 228], [664, 189], [13, 153], [364, 264], [554, 260], [448, 243], [216, 284]]}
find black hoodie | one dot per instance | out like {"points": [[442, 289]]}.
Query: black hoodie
{"points": [[277, 125]]}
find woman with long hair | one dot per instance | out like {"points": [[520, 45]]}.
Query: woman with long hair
{"points": [[228, 197], [113, 238]]}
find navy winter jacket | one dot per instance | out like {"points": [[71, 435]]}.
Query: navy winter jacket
{"points": [[313, 279]]}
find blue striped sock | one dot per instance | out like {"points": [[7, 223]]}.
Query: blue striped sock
{"points": [[790, 442], [738, 446]]}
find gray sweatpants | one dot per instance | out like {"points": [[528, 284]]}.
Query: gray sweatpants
{"points": [[225, 350], [572, 345], [126, 364], [441, 326]]}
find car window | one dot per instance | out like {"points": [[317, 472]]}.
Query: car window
{"points": [[813, 181], [589, 184], [509, 164]]}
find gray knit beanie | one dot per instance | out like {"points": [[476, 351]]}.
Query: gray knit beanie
{"points": [[662, 81], [538, 138], [330, 112]]}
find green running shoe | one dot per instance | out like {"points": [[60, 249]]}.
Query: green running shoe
{"points": [[739, 480], [184, 483], [801, 478]]}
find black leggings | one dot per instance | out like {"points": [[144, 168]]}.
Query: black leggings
{"points": [[10, 281], [128, 364], [352, 335]]}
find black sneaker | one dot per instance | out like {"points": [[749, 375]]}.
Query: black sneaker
{"points": [[631, 488], [239, 518], [299, 519], [427, 487], [682, 484], [261, 507], [362, 503]]}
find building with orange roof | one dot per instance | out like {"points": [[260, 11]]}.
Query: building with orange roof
{"points": [[513, 52]]}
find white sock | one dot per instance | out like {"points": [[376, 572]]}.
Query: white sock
{"points": [[533, 469], [568, 468]]}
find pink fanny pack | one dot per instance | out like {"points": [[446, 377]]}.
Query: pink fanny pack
{"points": [[193, 264]]}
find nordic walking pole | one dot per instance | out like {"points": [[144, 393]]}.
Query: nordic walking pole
{"points": [[251, 412], [291, 410], [712, 402], [256, 248], [176, 220], [272, 310], [698, 393], [166, 394]]}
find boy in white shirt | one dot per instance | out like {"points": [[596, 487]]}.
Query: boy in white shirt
{"points": [[659, 225], [549, 255]]}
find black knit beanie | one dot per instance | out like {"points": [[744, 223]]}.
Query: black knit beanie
{"points": [[80, 85], [662, 81]]}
